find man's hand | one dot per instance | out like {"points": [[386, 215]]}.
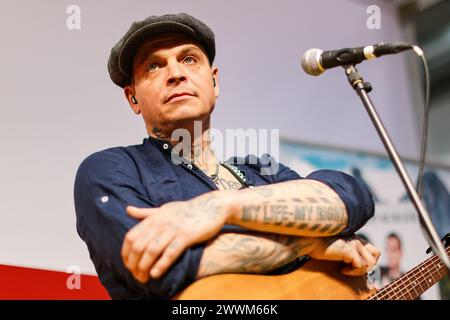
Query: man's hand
{"points": [[155, 243], [360, 255]]}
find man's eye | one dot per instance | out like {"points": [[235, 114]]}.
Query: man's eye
{"points": [[189, 60], [152, 67]]}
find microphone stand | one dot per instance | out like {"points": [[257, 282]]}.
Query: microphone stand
{"points": [[362, 88]]}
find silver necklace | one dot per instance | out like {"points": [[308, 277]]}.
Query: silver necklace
{"points": [[236, 172]]}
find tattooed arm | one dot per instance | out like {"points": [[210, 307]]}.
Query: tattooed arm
{"points": [[260, 253], [303, 207], [292, 215], [300, 207], [257, 253]]}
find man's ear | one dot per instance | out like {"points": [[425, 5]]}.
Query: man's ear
{"points": [[215, 73], [130, 95]]}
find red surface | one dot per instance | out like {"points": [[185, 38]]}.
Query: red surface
{"points": [[36, 284]]}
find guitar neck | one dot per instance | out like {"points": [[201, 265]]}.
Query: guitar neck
{"points": [[415, 282]]}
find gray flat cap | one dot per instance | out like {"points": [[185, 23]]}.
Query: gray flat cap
{"points": [[120, 61]]}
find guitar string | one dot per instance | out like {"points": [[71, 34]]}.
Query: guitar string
{"points": [[390, 289], [428, 265], [394, 290], [430, 279]]}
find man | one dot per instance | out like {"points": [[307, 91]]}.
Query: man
{"points": [[154, 225], [394, 254]]}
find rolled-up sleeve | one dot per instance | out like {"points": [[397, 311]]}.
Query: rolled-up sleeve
{"points": [[353, 192], [105, 184]]}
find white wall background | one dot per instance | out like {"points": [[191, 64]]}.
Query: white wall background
{"points": [[58, 104]]}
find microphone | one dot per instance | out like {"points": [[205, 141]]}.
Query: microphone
{"points": [[315, 61]]}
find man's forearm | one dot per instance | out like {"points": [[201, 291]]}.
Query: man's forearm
{"points": [[300, 207], [251, 253]]}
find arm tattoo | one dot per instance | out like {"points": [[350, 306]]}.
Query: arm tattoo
{"points": [[300, 207], [251, 253], [224, 184]]}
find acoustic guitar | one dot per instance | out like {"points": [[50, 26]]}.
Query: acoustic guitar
{"points": [[316, 280]]}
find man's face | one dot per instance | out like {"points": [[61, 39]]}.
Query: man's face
{"points": [[173, 83], [393, 252]]}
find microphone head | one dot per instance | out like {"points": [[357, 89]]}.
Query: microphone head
{"points": [[311, 62]]}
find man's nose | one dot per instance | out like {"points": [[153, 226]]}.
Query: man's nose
{"points": [[176, 74]]}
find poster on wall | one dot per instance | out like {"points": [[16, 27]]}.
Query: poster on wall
{"points": [[394, 229]]}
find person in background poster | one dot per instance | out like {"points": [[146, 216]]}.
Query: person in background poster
{"points": [[394, 254]]}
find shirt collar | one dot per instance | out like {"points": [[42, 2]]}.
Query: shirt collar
{"points": [[160, 144], [166, 147]]}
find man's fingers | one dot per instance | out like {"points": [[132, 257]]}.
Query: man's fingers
{"points": [[352, 253], [152, 252], [348, 255], [363, 259], [373, 250], [358, 265], [359, 256], [137, 249], [350, 271], [133, 235], [170, 255], [370, 260], [139, 213]]}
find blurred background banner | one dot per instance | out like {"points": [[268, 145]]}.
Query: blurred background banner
{"points": [[394, 229], [58, 104]]}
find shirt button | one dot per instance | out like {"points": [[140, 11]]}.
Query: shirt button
{"points": [[165, 146], [189, 166], [104, 199]]}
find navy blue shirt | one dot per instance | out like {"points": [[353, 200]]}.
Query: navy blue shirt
{"points": [[145, 176]]}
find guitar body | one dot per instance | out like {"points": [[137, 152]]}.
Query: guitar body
{"points": [[316, 280]]}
